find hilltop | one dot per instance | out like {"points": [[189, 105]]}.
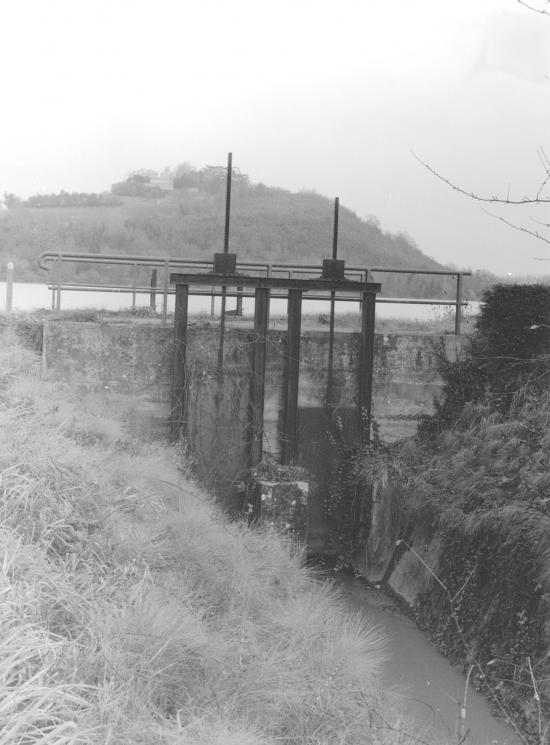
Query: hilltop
{"points": [[181, 213]]}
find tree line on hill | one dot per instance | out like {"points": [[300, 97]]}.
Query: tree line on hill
{"points": [[180, 213]]}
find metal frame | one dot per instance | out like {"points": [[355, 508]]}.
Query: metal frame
{"points": [[262, 289], [169, 264]]}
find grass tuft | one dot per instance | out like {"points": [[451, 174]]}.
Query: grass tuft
{"points": [[133, 612]]}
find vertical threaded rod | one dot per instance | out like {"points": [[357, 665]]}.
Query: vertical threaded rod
{"points": [[330, 387], [227, 204], [335, 229]]}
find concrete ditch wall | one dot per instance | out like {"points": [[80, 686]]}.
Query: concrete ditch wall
{"points": [[137, 358]]}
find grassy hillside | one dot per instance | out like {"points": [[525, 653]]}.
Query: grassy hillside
{"points": [[266, 224], [134, 613]]}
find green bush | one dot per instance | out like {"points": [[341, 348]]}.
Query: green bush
{"points": [[509, 356]]}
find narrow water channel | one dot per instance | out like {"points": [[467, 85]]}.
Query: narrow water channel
{"points": [[429, 688]]}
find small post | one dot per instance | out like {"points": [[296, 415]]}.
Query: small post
{"points": [[458, 308], [177, 418], [9, 287], [239, 308], [58, 263], [213, 302], [152, 294]]}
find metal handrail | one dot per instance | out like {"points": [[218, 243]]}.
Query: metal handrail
{"points": [[54, 259]]}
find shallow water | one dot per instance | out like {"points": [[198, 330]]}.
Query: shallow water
{"points": [[429, 688]]}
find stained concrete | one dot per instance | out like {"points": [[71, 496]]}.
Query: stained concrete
{"points": [[426, 686], [138, 358]]}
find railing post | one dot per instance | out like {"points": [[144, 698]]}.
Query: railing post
{"points": [[59, 261], [213, 302], [134, 286], [152, 294], [166, 283], [458, 308], [239, 306], [9, 287]]}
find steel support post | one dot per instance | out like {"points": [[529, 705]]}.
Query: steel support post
{"points": [[239, 304], [289, 435], [134, 286], [257, 392], [366, 364], [152, 294], [178, 413], [458, 311], [329, 403], [165, 286]]}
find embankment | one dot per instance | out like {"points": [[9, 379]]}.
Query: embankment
{"points": [[134, 612], [464, 540]]}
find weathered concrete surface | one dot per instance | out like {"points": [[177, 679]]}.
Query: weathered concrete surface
{"points": [[130, 358], [217, 427], [138, 357], [380, 552]]}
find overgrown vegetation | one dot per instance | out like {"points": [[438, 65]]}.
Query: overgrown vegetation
{"points": [[476, 503], [133, 612], [478, 492], [508, 356], [358, 469]]}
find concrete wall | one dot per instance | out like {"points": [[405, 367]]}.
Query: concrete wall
{"points": [[137, 358], [132, 358]]}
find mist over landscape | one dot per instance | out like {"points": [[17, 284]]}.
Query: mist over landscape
{"points": [[179, 212], [306, 98]]}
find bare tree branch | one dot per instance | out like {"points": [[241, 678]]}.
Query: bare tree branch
{"points": [[539, 222], [542, 11], [494, 199], [546, 165], [534, 233]]}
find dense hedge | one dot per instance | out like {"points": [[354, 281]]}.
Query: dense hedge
{"points": [[508, 356], [478, 479], [493, 566], [508, 315]]}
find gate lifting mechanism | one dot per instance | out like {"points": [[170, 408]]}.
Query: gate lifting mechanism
{"points": [[225, 275]]}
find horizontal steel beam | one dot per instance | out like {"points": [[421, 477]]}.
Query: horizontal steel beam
{"points": [[281, 283], [47, 257], [145, 290]]}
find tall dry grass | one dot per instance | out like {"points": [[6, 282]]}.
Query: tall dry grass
{"points": [[133, 612]]}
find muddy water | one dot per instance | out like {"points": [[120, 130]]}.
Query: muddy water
{"points": [[429, 689]]}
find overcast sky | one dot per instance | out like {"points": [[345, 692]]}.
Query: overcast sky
{"points": [[331, 96]]}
